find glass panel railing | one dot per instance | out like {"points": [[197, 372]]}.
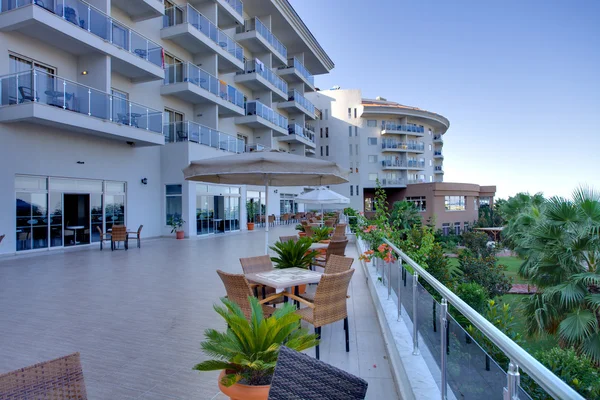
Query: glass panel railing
{"points": [[392, 182], [437, 153], [437, 168], [178, 15], [258, 108], [393, 162], [237, 5], [255, 24], [91, 19], [415, 164], [44, 88], [295, 63], [411, 128], [296, 129], [309, 127], [295, 95], [188, 72], [252, 66], [189, 131]]}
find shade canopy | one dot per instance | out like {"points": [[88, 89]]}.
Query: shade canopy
{"points": [[322, 195], [266, 168]]}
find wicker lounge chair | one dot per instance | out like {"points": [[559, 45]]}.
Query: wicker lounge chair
{"points": [[239, 290], [59, 379], [299, 376], [136, 235]]}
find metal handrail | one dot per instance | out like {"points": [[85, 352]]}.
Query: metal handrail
{"points": [[553, 385]]}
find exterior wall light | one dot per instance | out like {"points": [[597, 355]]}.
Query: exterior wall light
{"points": [[144, 181], [84, 72]]}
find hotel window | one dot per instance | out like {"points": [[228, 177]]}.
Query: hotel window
{"points": [[429, 134], [357, 166], [430, 163], [349, 131], [356, 148], [368, 204], [321, 151], [326, 114], [357, 190], [351, 168], [466, 226], [457, 228], [173, 68], [455, 203], [351, 190], [173, 204], [350, 147], [321, 133], [373, 177], [372, 123], [372, 141], [430, 178], [372, 159], [349, 113], [475, 203], [420, 202], [355, 113], [173, 121], [120, 105], [484, 201], [327, 151], [445, 228], [327, 132], [356, 131]]}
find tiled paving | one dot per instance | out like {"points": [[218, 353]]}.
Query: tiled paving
{"points": [[137, 317]]}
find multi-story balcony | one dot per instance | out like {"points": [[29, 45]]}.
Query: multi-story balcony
{"points": [[403, 129], [413, 181], [260, 116], [140, 10], [391, 163], [414, 164], [438, 169], [309, 151], [298, 134], [189, 131], [231, 13], [438, 154], [194, 85], [394, 182], [257, 38], [296, 103], [187, 27], [81, 29], [438, 139], [393, 145], [257, 76], [294, 71], [310, 129], [36, 97]]}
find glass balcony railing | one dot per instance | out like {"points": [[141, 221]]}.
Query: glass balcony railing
{"points": [[296, 129], [237, 5], [415, 164], [295, 63], [391, 162], [44, 88], [437, 168], [295, 95], [255, 24], [392, 144], [309, 127], [390, 126], [258, 108], [252, 66], [188, 72], [94, 21], [189, 131], [437, 138], [178, 15], [437, 153], [392, 182]]}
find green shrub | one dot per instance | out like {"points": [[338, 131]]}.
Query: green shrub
{"points": [[473, 294], [485, 271], [477, 243], [292, 254]]}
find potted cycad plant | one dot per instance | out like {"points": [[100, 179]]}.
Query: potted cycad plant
{"points": [[251, 208], [246, 354], [300, 229], [321, 234], [176, 223], [292, 254]]}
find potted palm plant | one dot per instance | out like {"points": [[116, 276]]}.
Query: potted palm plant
{"points": [[246, 354], [300, 229], [294, 255], [176, 223], [251, 208], [321, 234]]}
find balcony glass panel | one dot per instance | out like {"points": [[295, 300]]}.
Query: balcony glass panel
{"points": [[296, 129], [237, 5], [295, 63], [185, 131], [390, 126], [252, 66], [295, 95], [42, 87], [93, 20], [258, 108], [189, 15], [255, 24]]}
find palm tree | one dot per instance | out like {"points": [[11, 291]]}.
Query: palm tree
{"points": [[405, 215], [562, 249], [521, 213]]}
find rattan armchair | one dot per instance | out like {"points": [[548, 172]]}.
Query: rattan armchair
{"points": [[329, 223], [271, 220], [329, 305], [340, 230], [299, 376], [104, 237], [335, 264], [136, 235], [252, 265], [335, 247], [239, 290], [119, 234], [308, 230], [59, 379], [288, 238]]}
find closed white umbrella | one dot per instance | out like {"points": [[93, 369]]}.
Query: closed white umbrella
{"points": [[266, 168], [322, 196]]}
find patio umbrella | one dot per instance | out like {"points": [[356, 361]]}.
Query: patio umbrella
{"points": [[322, 196], [271, 168]]}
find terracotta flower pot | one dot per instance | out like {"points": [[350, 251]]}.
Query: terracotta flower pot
{"points": [[301, 289], [244, 392], [325, 241], [250, 226], [302, 234], [179, 234]]}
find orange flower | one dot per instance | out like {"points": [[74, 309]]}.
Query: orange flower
{"points": [[382, 248]]}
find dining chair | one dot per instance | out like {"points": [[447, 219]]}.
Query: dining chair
{"points": [[253, 265], [299, 376], [329, 305], [104, 237], [284, 239], [136, 235], [329, 223], [308, 230], [119, 234], [335, 264], [340, 230], [335, 247], [239, 290], [271, 220], [58, 379]]}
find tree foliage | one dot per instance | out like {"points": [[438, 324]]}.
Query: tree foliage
{"points": [[485, 271]]}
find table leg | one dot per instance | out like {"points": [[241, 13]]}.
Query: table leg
{"points": [[296, 292], [75, 233]]}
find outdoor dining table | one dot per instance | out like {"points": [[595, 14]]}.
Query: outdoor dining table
{"points": [[74, 229], [281, 279], [318, 246]]}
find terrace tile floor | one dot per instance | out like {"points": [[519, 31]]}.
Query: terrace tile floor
{"points": [[137, 317]]}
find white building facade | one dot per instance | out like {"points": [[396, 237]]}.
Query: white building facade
{"points": [[104, 102]]}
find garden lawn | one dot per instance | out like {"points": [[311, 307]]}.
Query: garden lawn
{"points": [[512, 265]]}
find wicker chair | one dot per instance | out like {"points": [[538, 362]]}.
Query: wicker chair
{"points": [[335, 247], [104, 237], [252, 265], [57, 379], [239, 290], [119, 234], [339, 238], [136, 235], [329, 305], [340, 230], [288, 238], [285, 219], [299, 376], [304, 222], [271, 220], [335, 265], [329, 223], [308, 230]]}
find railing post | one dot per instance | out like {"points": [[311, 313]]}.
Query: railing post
{"points": [[89, 19], [399, 288], [89, 102], [147, 120], [34, 88], [129, 114], [64, 95], [110, 34], [415, 315], [389, 279], [511, 392], [444, 342], [110, 105]]}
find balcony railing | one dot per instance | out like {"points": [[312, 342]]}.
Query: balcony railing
{"points": [[252, 66], [237, 5], [309, 127], [188, 72], [295, 63], [437, 138], [178, 15], [94, 21], [193, 132], [295, 95], [437, 153], [396, 144], [413, 181], [256, 147], [415, 164], [392, 182], [44, 88], [258, 108], [456, 360], [393, 163], [257, 25], [390, 126], [296, 129], [437, 168]]}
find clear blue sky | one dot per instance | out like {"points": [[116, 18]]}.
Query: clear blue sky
{"points": [[518, 80]]}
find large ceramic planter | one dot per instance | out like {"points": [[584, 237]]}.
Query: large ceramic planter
{"points": [[250, 226], [179, 234], [244, 392]]}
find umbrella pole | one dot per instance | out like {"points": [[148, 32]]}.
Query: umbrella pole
{"points": [[267, 216]]}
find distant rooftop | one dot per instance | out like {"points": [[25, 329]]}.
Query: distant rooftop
{"points": [[380, 102]]}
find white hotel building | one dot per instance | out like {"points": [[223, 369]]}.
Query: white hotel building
{"points": [[103, 103]]}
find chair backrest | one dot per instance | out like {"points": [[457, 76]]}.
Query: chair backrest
{"points": [[337, 247], [341, 238], [336, 264], [140, 230], [329, 223], [284, 239], [304, 222], [238, 289], [300, 376], [57, 379], [251, 265], [308, 230], [119, 233], [340, 230], [330, 298], [23, 235], [271, 218]]}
